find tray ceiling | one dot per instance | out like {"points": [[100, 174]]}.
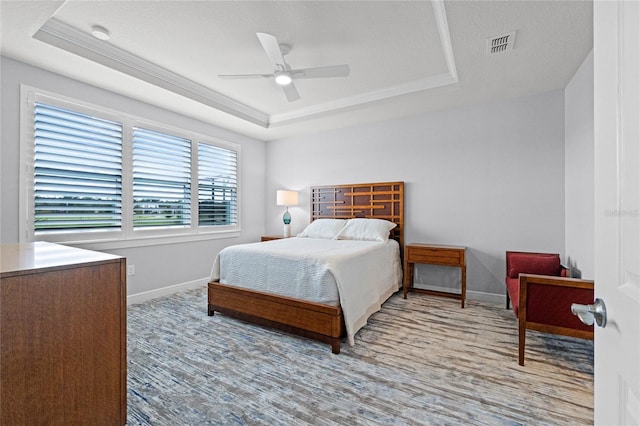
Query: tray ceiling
{"points": [[406, 57]]}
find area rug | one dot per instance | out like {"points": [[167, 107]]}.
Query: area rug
{"points": [[419, 361]]}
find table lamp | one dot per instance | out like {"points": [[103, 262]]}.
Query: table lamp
{"points": [[286, 198]]}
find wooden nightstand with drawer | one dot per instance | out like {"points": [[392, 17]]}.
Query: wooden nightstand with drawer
{"points": [[432, 254], [270, 237]]}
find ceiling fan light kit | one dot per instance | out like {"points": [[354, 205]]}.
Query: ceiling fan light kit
{"points": [[283, 78], [283, 74]]}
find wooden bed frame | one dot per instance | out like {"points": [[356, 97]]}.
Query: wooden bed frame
{"points": [[314, 320]]}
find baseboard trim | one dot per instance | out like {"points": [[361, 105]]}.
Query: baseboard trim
{"points": [[479, 296], [133, 299]]}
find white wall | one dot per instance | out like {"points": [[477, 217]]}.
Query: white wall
{"points": [[489, 176], [579, 171], [156, 266]]}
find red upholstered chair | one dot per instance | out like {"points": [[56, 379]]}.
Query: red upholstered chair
{"points": [[542, 294]]}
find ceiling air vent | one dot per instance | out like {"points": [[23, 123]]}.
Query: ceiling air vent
{"points": [[501, 43]]}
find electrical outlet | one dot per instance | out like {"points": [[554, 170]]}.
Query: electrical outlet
{"points": [[131, 269]]}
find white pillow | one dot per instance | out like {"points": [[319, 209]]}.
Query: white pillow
{"points": [[366, 229], [323, 228]]}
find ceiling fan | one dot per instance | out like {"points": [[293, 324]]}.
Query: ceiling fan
{"points": [[283, 73]]}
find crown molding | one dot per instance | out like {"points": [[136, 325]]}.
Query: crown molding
{"points": [[364, 98], [445, 37], [68, 38], [63, 36]]}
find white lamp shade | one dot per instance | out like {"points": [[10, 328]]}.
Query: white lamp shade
{"points": [[286, 198]]}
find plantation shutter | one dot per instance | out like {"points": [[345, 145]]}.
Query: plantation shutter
{"points": [[161, 179], [217, 185], [77, 171]]}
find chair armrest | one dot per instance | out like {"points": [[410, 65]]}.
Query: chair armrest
{"points": [[546, 301], [555, 281], [545, 306]]}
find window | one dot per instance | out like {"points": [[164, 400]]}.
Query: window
{"points": [[97, 175], [217, 186], [77, 171], [161, 179]]}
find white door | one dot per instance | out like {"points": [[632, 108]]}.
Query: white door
{"points": [[617, 215]]}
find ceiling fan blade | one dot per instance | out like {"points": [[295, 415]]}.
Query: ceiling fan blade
{"points": [[236, 76], [271, 46], [291, 92], [319, 72]]}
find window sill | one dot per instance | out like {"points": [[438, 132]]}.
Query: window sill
{"points": [[109, 244]]}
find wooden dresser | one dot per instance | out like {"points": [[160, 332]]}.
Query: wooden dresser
{"points": [[63, 336]]}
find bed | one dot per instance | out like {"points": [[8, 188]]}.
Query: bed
{"points": [[272, 296]]}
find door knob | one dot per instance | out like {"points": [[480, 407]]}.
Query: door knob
{"points": [[590, 313]]}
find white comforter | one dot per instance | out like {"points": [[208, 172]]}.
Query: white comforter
{"points": [[360, 275]]}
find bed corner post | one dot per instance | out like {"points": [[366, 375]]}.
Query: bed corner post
{"points": [[335, 345]]}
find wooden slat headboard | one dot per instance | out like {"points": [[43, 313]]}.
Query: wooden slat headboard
{"points": [[382, 200]]}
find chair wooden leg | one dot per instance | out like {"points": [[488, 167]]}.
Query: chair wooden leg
{"points": [[522, 330], [507, 297]]}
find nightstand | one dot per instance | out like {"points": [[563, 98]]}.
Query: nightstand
{"points": [[431, 254], [270, 237]]}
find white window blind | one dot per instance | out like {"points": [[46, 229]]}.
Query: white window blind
{"points": [[102, 176], [161, 179], [217, 186], [77, 171]]}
